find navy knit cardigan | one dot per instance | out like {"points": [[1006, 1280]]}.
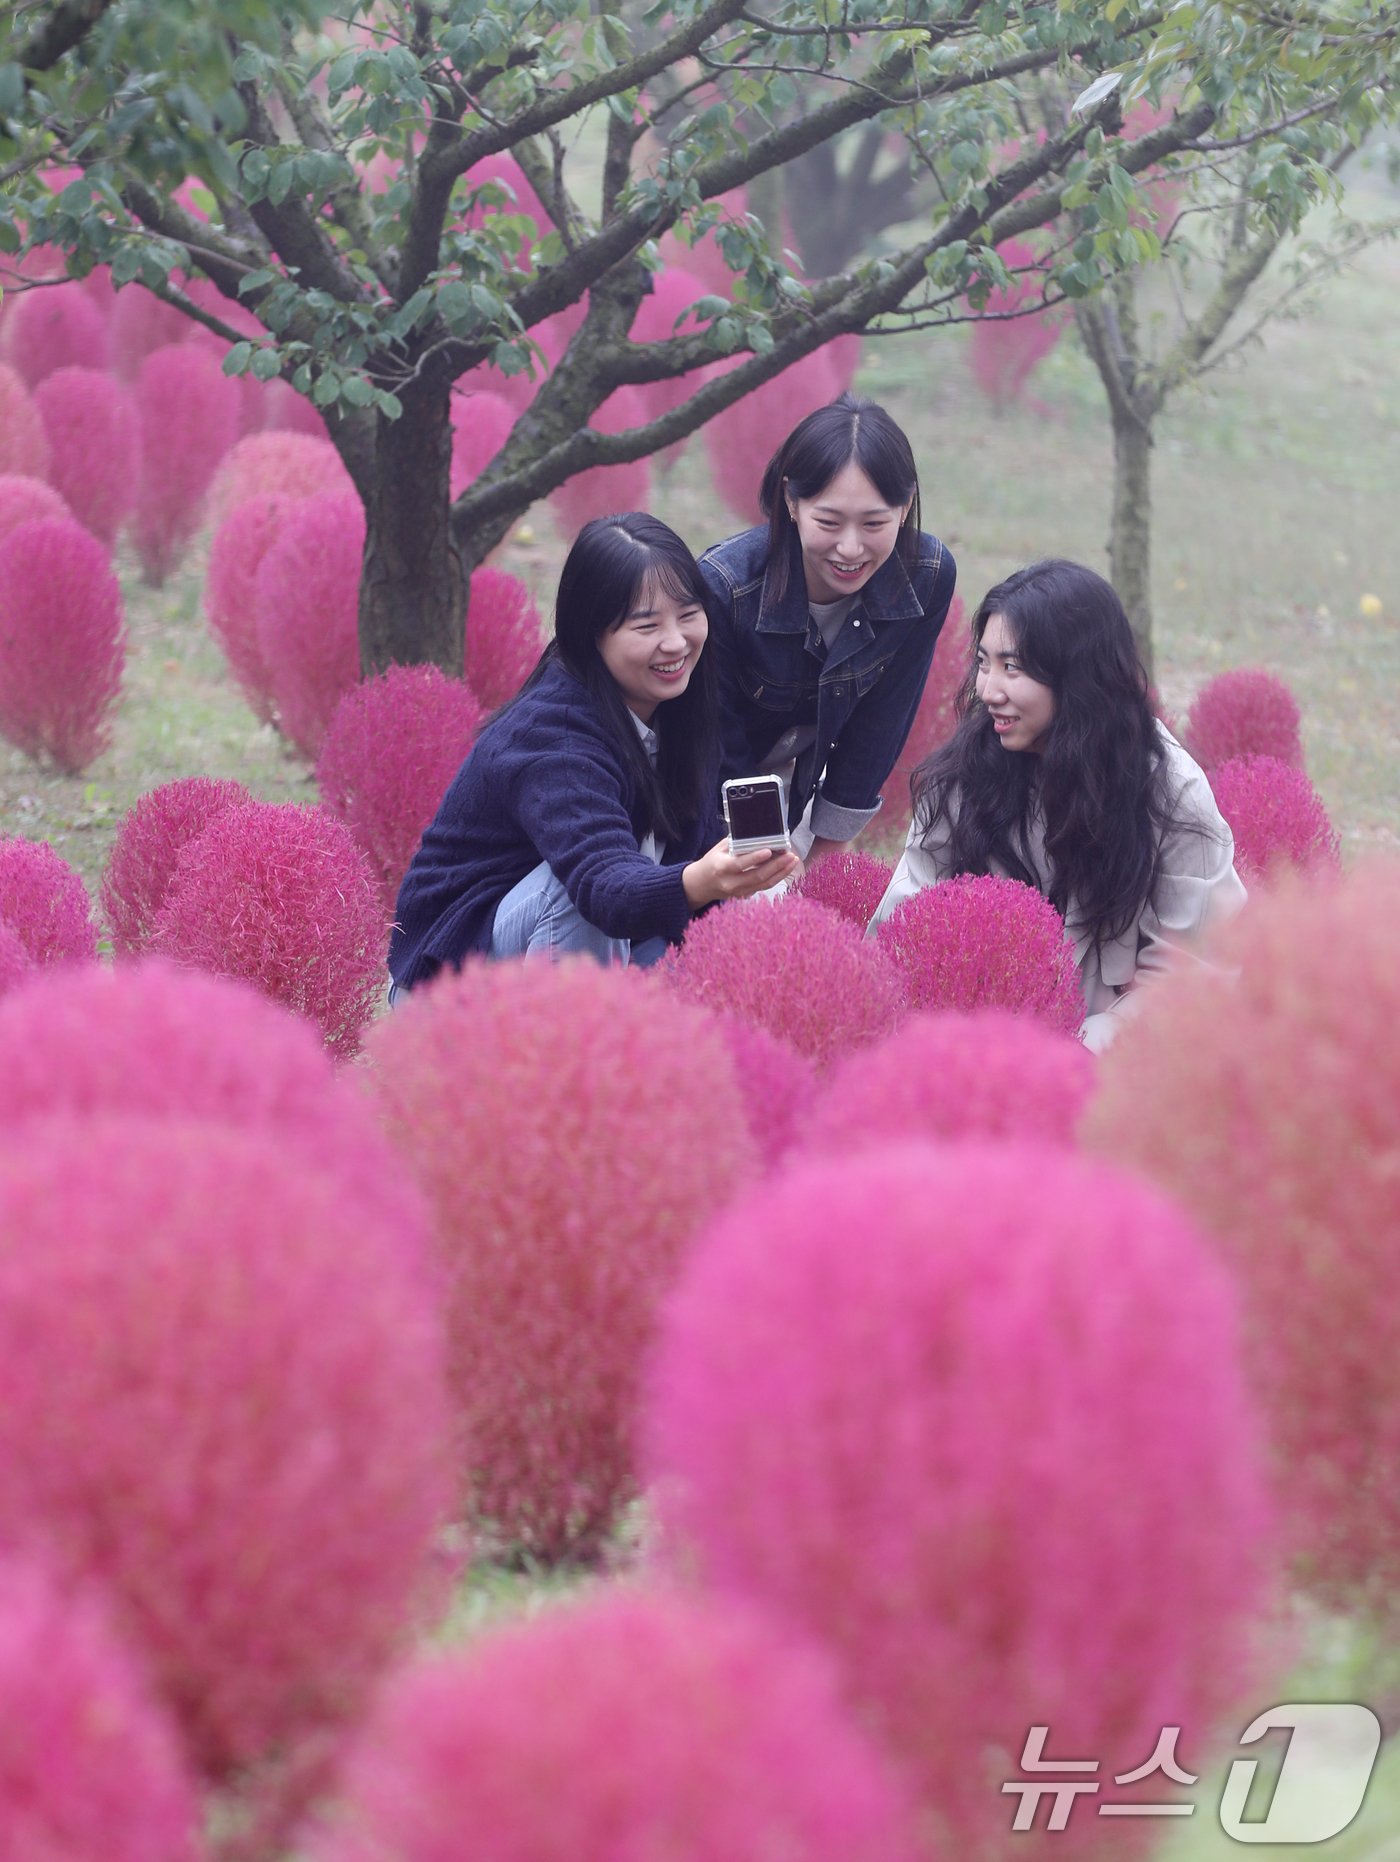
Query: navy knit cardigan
{"points": [[545, 781]]}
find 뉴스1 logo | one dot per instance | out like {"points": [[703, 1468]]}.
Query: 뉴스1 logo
{"points": [[1331, 1753]]}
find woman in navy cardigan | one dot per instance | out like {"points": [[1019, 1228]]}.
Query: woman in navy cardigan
{"points": [[581, 819]]}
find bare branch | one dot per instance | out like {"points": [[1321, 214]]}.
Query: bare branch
{"points": [[65, 26]]}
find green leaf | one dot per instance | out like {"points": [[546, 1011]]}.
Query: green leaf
{"points": [[357, 391], [388, 404], [267, 365], [11, 88], [237, 359], [327, 389]]}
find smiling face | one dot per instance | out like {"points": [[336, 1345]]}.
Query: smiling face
{"points": [[651, 652], [1022, 709], [847, 531]]}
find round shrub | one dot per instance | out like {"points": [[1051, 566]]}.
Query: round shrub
{"points": [[796, 968], [146, 847], [27, 501], [627, 1728], [973, 1416], [481, 425], [394, 744], [306, 595], [223, 1401], [1245, 712], [949, 1075], [597, 490], [1268, 1101], [94, 446], [16, 964], [280, 896], [141, 323], [230, 591], [980, 942], [739, 439], [188, 413], [777, 1083], [45, 903], [89, 1768], [850, 884], [673, 291], [1277, 818], [571, 1126], [62, 642], [58, 327], [504, 636], [24, 446], [276, 463], [935, 719]]}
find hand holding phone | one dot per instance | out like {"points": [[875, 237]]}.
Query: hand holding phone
{"points": [[755, 808]]}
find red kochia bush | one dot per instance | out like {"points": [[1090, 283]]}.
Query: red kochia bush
{"points": [[1277, 818], [631, 1727], [141, 324], [777, 1083], [600, 489], [222, 1398], [1244, 712], [280, 896], [62, 642], [851, 884], [94, 446], [504, 636], [287, 465], [89, 1766], [45, 903], [980, 942], [952, 1075], [1005, 354], [481, 425], [59, 326], [972, 1415], [306, 592], [1268, 1099], [28, 501], [572, 1126], [146, 847], [394, 744], [16, 964], [796, 968], [188, 413], [24, 446], [230, 591], [935, 719], [740, 439]]}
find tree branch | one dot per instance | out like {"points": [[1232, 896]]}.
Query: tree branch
{"points": [[64, 26]]}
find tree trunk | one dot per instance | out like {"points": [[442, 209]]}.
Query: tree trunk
{"points": [[1130, 538], [413, 591]]}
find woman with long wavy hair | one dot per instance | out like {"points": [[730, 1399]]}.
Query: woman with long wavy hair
{"points": [[1059, 775]]}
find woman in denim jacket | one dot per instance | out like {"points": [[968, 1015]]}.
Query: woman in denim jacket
{"points": [[823, 620], [581, 821]]}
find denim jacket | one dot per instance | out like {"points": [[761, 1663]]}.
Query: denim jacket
{"points": [[861, 697]]}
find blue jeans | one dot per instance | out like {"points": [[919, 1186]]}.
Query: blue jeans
{"points": [[537, 918]]}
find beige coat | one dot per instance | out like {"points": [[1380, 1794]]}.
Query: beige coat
{"points": [[1197, 887]]}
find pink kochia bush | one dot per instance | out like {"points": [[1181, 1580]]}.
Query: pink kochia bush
{"points": [[280, 896], [796, 968], [45, 903], [286, 465], [973, 1416], [62, 642], [1277, 818], [394, 744], [851, 884], [16, 964], [58, 326], [89, 1766], [28, 501], [1245, 712], [777, 1083], [94, 446], [188, 413], [572, 1126], [221, 1397], [740, 439], [955, 1075], [146, 847], [24, 446], [981, 942], [631, 1727], [936, 718], [504, 636], [1268, 1099], [1005, 349], [603, 488], [230, 591], [306, 593]]}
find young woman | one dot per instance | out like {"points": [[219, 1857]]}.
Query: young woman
{"points": [[825, 618], [580, 821], [1059, 775]]}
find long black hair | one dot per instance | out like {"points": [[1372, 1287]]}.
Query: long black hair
{"points": [[613, 560], [846, 431], [1097, 781]]}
